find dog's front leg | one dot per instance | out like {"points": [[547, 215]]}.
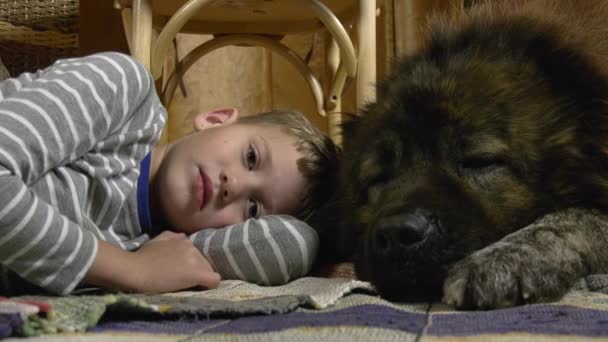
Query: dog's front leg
{"points": [[537, 263]]}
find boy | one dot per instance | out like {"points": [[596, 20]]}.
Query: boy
{"points": [[74, 208]]}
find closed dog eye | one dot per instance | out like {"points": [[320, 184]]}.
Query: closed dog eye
{"points": [[483, 162], [373, 174], [381, 161]]}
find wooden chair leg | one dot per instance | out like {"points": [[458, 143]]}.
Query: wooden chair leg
{"points": [[168, 33], [126, 14], [333, 108], [347, 68], [141, 40], [366, 42]]}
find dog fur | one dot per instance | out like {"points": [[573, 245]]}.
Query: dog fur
{"points": [[480, 173]]}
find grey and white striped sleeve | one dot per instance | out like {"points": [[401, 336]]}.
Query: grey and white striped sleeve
{"points": [[48, 120], [271, 250]]}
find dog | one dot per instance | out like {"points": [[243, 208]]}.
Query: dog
{"points": [[480, 173]]}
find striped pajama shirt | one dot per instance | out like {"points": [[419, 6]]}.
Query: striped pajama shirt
{"points": [[71, 140]]}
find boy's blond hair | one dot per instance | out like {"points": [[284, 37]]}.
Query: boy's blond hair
{"points": [[319, 163]]}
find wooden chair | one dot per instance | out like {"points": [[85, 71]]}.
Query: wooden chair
{"points": [[260, 23]]}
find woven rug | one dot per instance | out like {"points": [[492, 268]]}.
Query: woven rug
{"points": [[232, 299], [318, 309]]}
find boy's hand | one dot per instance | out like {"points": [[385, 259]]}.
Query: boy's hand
{"points": [[169, 262]]}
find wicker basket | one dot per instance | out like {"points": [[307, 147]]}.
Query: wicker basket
{"points": [[34, 33]]}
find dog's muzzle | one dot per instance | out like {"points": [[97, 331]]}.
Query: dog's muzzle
{"points": [[399, 233]]}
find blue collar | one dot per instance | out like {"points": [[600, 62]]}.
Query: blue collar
{"points": [[143, 198]]}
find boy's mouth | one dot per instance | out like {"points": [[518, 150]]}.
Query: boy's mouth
{"points": [[204, 191]]}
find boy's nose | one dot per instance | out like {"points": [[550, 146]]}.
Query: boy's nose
{"points": [[230, 188]]}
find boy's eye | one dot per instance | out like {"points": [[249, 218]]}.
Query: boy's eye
{"points": [[253, 209], [252, 157]]}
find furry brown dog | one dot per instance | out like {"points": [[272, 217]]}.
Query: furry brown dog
{"points": [[481, 171]]}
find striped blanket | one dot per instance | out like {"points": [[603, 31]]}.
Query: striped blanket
{"points": [[309, 309]]}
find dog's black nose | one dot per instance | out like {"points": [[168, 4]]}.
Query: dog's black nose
{"points": [[401, 231]]}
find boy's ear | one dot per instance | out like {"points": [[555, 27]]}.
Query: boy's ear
{"points": [[215, 118]]}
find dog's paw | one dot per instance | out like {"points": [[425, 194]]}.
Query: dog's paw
{"points": [[504, 275]]}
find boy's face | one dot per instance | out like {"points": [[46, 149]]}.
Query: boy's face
{"points": [[227, 172]]}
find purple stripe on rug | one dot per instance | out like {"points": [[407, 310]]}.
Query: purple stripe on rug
{"points": [[9, 323], [363, 315], [174, 327], [540, 319]]}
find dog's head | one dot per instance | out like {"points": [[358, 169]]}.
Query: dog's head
{"points": [[465, 144]]}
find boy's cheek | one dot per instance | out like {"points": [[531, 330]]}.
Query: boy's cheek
{"points": [[217, 218]]}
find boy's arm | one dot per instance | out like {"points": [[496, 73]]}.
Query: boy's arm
{"points": [[166, 263], [60, 116], [271, 250]]}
